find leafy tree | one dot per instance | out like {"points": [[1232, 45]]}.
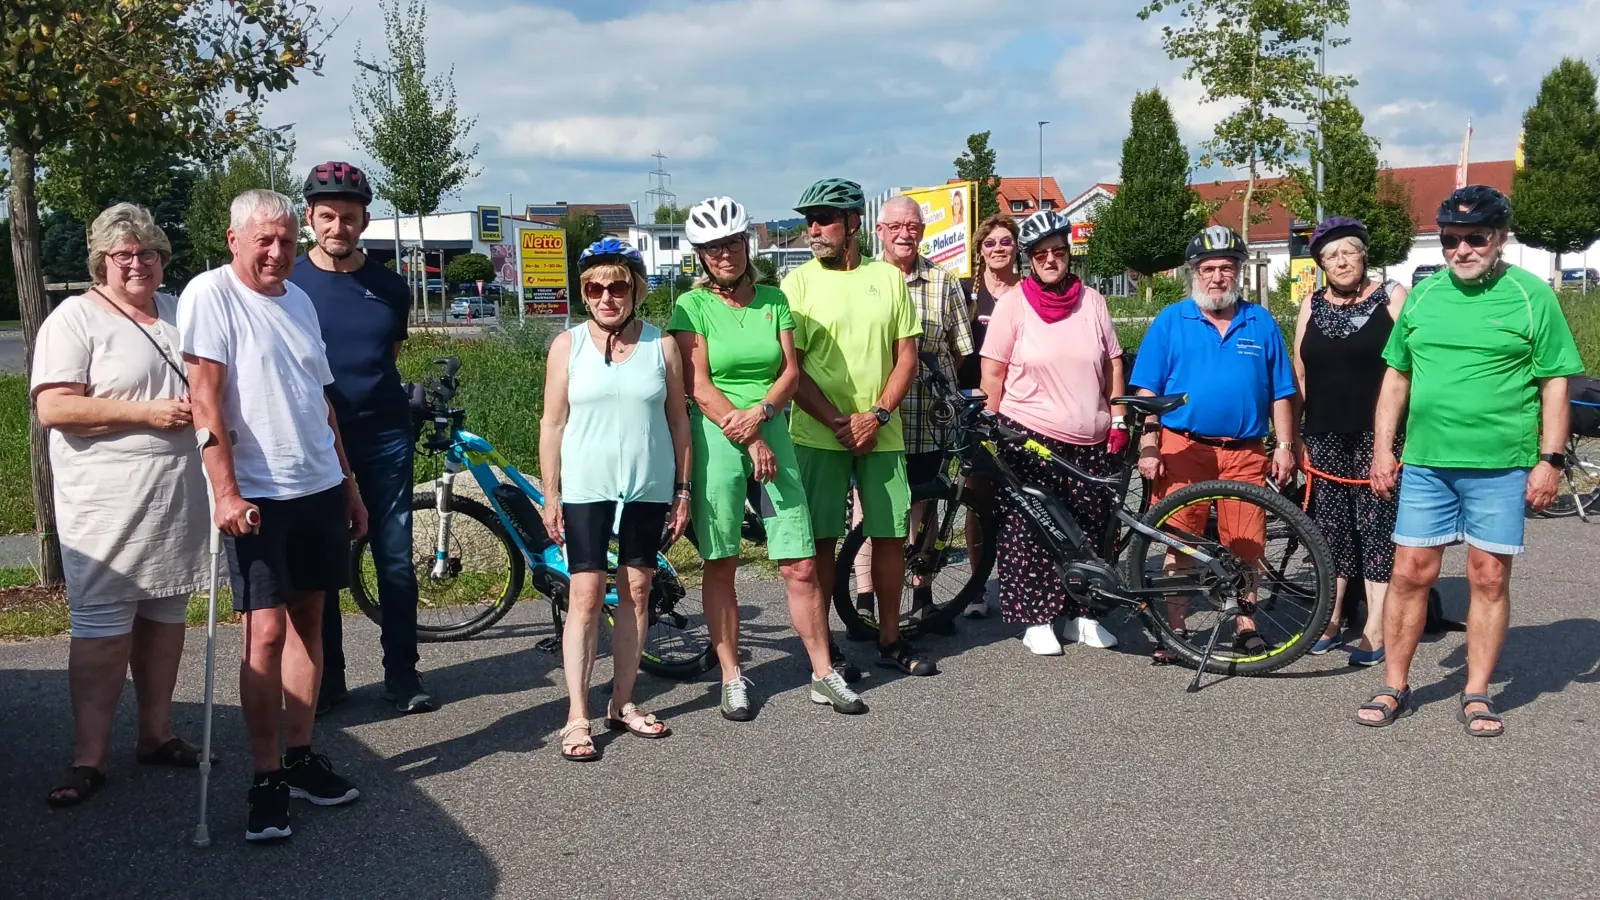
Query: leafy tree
{"points": [[1260, 54], [1148, 223], [1392, 229], [161, 184], [671, 214], [467, 268], [1555, 197], [1353, 185], [977, 163], [126, 80], [766, 271], [409, 124], [64, 247], [205, 217]]}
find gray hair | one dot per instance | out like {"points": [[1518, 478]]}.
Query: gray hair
{"points": [[899, 200], [259, 203], [124, 221], [1348, 240]]}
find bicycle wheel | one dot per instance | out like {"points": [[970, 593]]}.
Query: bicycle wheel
{"points": [[677, 642], [954, 574], [481, 578], [1282, 580], [1580, 480]]}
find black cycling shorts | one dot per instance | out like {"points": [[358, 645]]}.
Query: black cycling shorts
{"points": [[588, 527], [302, 544]]}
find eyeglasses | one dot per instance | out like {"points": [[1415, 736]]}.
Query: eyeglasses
{"points": [[1216, 271], [902, 227], [823, 217], [125, 258], [1003, 243], [618, 289], [724, 247], [1052, 252], [1341, 256], [1477, 240]]}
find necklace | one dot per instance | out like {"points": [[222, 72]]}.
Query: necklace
{"points": [[743, 311]]}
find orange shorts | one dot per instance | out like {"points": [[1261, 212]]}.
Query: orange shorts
{"points": [[1241, 527]]}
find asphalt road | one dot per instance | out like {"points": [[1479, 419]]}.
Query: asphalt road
{"points": [[1090, 775], [10, 352]]}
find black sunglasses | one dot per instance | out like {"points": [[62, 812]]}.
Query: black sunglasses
{"points": [[823, 217], [1476, 240]]}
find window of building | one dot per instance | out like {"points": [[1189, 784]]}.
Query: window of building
{"points": [[644, 243], [666, 242], [1049, 204], [1019, 206]]}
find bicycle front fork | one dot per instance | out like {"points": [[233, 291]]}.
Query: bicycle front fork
{"points": [[442, 504]]}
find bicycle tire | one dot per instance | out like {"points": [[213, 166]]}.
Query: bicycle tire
{"points": [[665, 592], [1583, 470], [861, 628], [362, 592], [1303, 537]]}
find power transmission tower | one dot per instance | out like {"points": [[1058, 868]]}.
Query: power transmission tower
{"points": [[661, 194]]}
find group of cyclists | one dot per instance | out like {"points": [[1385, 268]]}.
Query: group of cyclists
{"points": [[812, 390]]}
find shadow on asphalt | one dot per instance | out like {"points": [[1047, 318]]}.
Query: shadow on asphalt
{"points": [[132, 839]]}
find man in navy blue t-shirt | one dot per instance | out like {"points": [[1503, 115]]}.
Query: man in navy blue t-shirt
{"points": [[362, 308]]}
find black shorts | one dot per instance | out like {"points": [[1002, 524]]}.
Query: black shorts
{"points": [[922, 468], [588, 528], [303, 544]]}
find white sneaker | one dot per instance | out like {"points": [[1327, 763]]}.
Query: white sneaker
{"points": [[1041, 640], [1091, 633]]}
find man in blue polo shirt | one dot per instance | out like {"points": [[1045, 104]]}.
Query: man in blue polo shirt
{"points": [[1229, 357], [362, 308]]}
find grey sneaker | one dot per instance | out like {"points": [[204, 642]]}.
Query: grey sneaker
{"points": [[832, 690], [736, 700]]}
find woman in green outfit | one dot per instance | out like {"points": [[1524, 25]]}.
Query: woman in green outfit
{"points": [[737, 344]]}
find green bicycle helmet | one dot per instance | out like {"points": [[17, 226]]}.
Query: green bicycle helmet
{"points": [[833, 192]]}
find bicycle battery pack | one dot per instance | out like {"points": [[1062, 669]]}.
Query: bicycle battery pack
{"points": [[524, 518]]}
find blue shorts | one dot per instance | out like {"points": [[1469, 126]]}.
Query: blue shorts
{"points": [[1484, 507]]}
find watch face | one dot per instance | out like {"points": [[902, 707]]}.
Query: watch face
{"points": [[882, 416]]}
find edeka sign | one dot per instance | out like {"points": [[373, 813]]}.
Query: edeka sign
{"points": [[544, 271], [947, 220], [489, 224]]}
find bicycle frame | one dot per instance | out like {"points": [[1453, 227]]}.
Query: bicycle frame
{"points": [[473, 454]]}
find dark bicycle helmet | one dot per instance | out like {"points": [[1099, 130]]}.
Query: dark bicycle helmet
{"points": [[1216, 242], [338, 179], [1332, 229], [609, 250], [836, 193], [1476, 204], [1040, 225]]}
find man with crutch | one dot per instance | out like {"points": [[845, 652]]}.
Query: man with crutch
{"points": [[281, 491]]}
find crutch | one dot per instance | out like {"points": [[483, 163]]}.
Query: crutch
{"points": [[202, 834]]}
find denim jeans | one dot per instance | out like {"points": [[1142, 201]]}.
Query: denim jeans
{"points": [[381, 462]]}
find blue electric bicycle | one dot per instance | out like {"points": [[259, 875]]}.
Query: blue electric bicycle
{"points": [[472, 557]]}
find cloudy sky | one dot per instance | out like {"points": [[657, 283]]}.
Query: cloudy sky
{"points": [[757, 98]]}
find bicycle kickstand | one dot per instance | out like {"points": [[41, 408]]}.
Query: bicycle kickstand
{"points": [[1227, 618]]}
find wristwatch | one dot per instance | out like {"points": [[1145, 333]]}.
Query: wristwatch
{"points": [[1557, 461], [768, 411], [881, 414]]}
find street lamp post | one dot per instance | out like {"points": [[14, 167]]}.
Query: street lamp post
{"points": [[388, 76], [1042, 124], [273, 136]]}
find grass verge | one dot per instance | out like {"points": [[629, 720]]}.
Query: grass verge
{"points": [[16, 492]]}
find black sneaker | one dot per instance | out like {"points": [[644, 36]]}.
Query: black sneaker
{"points": [[408, 695], [908, 659], [311, 777], [842, 663], [269, 809]]}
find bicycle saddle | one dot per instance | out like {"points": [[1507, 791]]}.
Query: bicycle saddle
{"points": [[1152, 406]]}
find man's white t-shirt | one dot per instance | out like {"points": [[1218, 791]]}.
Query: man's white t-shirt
{"points": [[273, 403]]}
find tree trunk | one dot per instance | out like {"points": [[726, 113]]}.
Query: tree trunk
{"points": [[422, 254], [25, 236], [1149, 288], [1247, 270]]}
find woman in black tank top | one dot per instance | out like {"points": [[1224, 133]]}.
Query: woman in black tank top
{"points": [[1339, 341], [997, 273]]}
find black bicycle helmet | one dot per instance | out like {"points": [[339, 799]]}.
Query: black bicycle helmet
{"points": [[835, 193], [1332, 229], [338, 179], [1476, 204], [1216, 242]]}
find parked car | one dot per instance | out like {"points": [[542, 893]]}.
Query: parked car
{"points": [[472, 307], [1421, 272], [436, 286], [1580, 278]]}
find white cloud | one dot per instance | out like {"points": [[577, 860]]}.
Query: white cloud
{"points": [[605, 138]]}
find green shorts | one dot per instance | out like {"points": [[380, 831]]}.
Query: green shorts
{"points": [[880, 478], [722, 471]]}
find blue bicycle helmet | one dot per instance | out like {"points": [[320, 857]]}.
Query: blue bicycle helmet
{"points": [[609, 250]]}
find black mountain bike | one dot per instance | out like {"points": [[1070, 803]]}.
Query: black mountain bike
{"points": [[1187, 588]]}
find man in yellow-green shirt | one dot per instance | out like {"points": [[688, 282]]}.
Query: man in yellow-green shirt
{"points": [[856, 331]]}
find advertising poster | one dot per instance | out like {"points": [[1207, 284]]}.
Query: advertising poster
{"points": [[947, 217], [544, 272], [1303, 271], [503, 257]]}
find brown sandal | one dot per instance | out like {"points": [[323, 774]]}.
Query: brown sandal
{"points": [[176, 752], [632, 710], [83, 781]]}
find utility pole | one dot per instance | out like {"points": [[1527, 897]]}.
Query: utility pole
{"points": [[1042, 124], [273, 136]]}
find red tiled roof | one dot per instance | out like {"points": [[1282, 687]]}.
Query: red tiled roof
{"points": [[1429, 185], [1026, 190]]}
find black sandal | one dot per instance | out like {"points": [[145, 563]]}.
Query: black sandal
{"points": [[83, 781], [177, 752], [1488, 715], [1401, 708], [901, 655], [1250, 642]]}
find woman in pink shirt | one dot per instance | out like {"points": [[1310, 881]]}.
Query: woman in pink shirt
{"points": [[1051, 362]]}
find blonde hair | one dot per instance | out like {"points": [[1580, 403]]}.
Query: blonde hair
{"points": [[605, 272], [120, 222]]}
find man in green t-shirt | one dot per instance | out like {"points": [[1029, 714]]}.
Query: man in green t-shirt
{"points": [[856, 331], [1480, 355]]}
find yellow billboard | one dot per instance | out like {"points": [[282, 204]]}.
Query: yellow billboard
{"points": [[947, 220], [544, 270], [1303, 273]]}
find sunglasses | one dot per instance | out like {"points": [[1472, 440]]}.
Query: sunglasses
{"points": [[594, 290], [1476, 240], [992, 243], [823, 217], [1052, 252]]}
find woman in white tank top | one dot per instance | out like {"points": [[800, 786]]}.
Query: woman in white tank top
{"points": [[614, 458]]}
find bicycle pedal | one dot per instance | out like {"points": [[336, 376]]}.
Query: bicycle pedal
{"points": [[548, 645]]}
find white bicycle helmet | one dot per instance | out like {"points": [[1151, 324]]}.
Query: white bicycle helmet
{"points": [[1041, 225], [713, 219]]}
